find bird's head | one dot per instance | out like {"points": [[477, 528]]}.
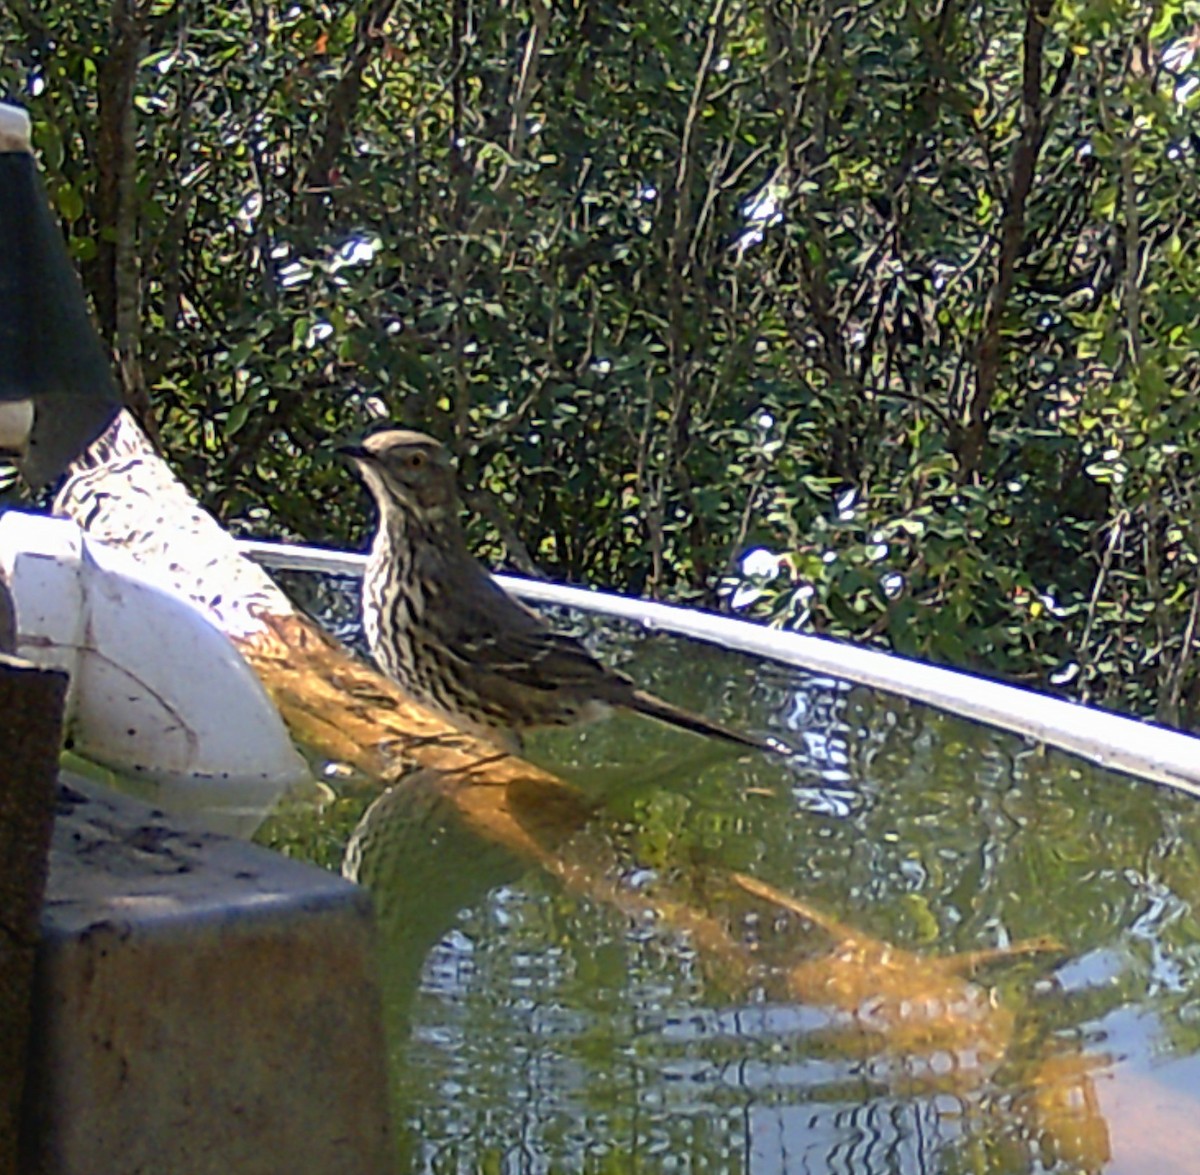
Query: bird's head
{"points": [[406, 471]]}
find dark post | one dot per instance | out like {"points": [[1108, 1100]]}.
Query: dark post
{"points": [[31, 709]]}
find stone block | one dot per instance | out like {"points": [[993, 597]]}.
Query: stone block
{"points": [[201, 1005]]}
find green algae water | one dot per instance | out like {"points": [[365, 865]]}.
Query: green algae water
{"points": [[915, 945]]}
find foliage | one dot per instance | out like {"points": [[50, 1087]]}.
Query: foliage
{"points": [[903, 293]]}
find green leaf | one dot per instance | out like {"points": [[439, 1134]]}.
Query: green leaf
{"points": [[237, 417], [47, 139], [69, 203]]}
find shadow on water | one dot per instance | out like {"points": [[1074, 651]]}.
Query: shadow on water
{"points": [[916, 946]]}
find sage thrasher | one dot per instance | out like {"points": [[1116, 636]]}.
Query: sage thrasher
{"points": [[452, 638]]}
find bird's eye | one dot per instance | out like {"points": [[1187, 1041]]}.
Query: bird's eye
{"points": [[415, 460]]}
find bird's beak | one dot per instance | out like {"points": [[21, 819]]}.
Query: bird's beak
{"points": [[353, 453]]}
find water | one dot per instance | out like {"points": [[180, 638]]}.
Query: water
{"points": [[736, 963]]}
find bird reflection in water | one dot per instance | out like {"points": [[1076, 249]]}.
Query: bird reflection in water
{"points": [[438, 842]]}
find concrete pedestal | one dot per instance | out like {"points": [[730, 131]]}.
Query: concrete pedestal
{"points": [[201, 1005]]}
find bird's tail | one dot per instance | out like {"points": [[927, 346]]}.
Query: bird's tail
{"points": [[653, 707]]}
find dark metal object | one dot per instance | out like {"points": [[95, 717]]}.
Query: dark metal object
{"points": [[49, 350]]}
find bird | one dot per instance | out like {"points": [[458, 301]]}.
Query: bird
{"points": [[452, 638]]}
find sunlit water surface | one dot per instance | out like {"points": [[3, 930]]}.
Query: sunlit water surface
{"points": [[636, 1008]]}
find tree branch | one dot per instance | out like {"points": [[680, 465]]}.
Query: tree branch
{"points": [[118, 291], [970, 443], [343, 108]]}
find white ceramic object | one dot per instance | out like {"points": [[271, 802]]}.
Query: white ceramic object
{"points": [[157, 691]]}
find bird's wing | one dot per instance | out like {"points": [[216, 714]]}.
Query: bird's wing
{"points": [[500, 635]]}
